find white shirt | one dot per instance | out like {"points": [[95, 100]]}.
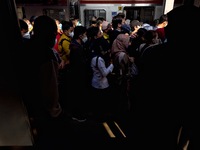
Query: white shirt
{"points": [[100, 72]]}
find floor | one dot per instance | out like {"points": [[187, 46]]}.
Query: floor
{"points": [[16, 130], [14, 123]]}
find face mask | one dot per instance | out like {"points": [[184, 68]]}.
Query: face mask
{"points": [[60, 26], [71, 34], [78, 24], [84, 39]]}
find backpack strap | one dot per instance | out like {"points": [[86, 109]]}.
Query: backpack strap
{"points": [[145, 48], [97, 61], [62, 52]]}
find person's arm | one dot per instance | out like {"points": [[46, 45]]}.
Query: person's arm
{"points": [[49, 87], [101, 65]]}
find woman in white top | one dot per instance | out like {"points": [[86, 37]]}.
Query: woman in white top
{"points": [[101, 69]]}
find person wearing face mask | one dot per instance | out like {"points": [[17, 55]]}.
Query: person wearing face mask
{"points": [[84, 39], [75, 21], [39, 81], [64, 42], [64, 65], [71, 34], [78, 75]]}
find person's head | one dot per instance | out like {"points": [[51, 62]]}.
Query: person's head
{"points": [[59, 26], [95, 32], [141, 32], [163, 21], [135, 25], [105, 25], [30, 26], [151, 37], [179, 20], [75, 20], [122, 16], [155, 22], [23, 26], [80, 33], [32, 19], [45, 30], [99, 23], [93, 21], [67, 28], [116, 23], [123, 40]]}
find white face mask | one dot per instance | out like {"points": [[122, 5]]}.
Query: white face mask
{"points": [[84, 39], [71, 34], [60, 26]]}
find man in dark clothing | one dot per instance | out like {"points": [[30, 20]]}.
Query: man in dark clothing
{"points": [[78, 74], [187, 74], [39, 80], [164, 97]]}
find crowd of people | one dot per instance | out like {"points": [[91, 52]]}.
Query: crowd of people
{"points": [[115, 67]]}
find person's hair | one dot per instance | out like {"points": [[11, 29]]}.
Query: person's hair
{"points": [[150, 35], [101, 19], [44, 30], [155, 22], [74, 17], [92, 31], [44, 25], [23, 25], [115, 22], [32, 19], [163, 18], [66, 25], [93, 20], [141, 32], [79, 30]]}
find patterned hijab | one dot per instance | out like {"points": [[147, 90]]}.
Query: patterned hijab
{"points": [[120, 44]]}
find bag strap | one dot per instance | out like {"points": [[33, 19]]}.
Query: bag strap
{"points": [[97, 61], [61, 44]]}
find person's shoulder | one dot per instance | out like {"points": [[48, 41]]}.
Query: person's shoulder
{"points": [[156, 50], [184, 10]]}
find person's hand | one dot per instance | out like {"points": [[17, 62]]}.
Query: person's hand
{"points": [[131, 59], [62, 64]]}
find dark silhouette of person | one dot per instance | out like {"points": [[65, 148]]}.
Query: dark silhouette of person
{"points": [[165, 91], [39, 70]]}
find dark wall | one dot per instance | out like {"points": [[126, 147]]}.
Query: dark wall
{"points": [[10, 43]]}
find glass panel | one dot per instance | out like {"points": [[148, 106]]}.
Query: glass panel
{"points": [[89, 13]]}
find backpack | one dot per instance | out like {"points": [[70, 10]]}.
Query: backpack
{"points": [[62, 52]]}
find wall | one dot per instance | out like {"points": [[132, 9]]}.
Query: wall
{"points": [[36, 10]]}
